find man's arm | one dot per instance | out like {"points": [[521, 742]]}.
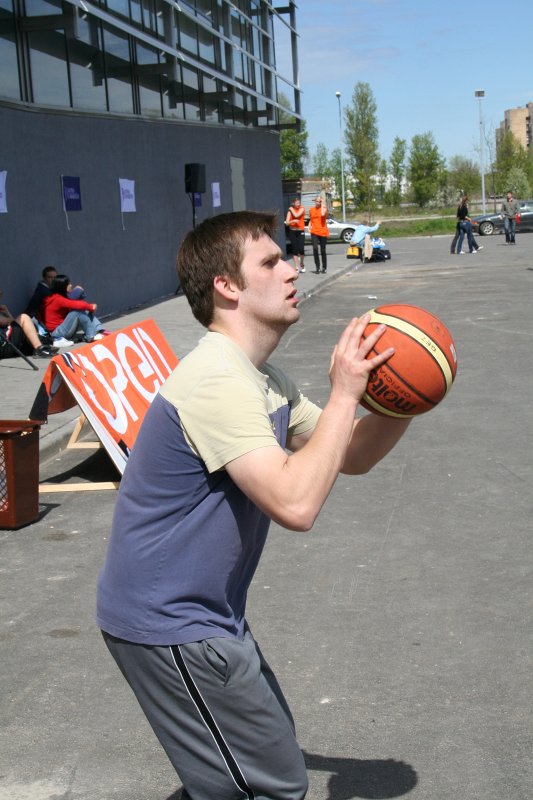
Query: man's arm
{"points": [[291, 488]]}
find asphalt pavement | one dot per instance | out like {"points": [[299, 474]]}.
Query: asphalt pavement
{"points": [[399, 627]]}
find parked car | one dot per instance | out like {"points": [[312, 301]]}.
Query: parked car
{"points": [[337, 230], [487, 224]]}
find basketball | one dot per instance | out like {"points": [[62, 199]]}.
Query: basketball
{"points": [[422, 369]]}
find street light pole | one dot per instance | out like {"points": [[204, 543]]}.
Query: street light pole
{"points": [[338, 96], [480, 94]]}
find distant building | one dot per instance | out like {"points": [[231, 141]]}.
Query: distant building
{"points": [[102, 90], [519, 122]]}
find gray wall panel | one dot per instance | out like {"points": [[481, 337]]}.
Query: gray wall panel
{"points": [[120, 268]]}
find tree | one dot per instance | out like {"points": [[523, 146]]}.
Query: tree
{"points": [[518, 183], [292, 144], [321, 161], [335, 171], [510, 154], [361, 137], [463, 176], [426, 169], [397, 170]]}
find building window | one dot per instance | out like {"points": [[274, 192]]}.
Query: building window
{"points": [[149, 81], [86, 60], [211, 97], [48, 64], [190, 89], [118, 71], [9, 74], [188, 35]]}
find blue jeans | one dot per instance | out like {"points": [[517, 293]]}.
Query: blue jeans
{"points": [[510, 229], [466, 227], [89, 324]]}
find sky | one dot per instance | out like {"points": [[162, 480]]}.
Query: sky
{"points": [[423, 61]]}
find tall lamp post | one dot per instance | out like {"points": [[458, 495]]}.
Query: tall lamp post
{"points": [[480, 94], [338, 96]]}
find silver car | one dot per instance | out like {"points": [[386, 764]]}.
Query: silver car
{"points": [[487, 224], [342, 231]]}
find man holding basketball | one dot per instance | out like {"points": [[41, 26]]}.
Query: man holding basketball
{"points": [[228, 444]]}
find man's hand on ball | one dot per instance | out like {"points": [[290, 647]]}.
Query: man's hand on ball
{"points": [[350, 362]]}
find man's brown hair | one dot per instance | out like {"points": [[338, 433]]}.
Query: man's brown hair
{"points": [[216, 247]]}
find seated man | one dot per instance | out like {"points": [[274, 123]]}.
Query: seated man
{"points": [[41, 291], [20, 332], [361, 238]]}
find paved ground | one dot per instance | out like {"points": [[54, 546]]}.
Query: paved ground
{"points": [[400, 627]]}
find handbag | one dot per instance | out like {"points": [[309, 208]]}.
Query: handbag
{"points": [[517, 218]]}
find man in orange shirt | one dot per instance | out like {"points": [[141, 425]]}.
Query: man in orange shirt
{"points": [[295, 221], [319, 233]]}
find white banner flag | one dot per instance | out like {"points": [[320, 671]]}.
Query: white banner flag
{"points": [[3, 196], [127, 195], [215, 192]]}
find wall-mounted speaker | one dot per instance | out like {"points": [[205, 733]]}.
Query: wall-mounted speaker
{"points": [[195, 178]]}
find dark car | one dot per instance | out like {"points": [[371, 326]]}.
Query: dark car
{"points": [[487, 224]]}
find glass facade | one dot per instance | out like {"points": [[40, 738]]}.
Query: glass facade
{"points": [[197, 60]]}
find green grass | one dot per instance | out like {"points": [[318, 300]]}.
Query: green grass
{"points": [[419, 227]]}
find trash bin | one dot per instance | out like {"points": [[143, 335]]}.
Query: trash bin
{"points": [[19, 472]]}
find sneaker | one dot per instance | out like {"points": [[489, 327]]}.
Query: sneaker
{"points": [[45, 351], [98, 336], [461, 253], [480, 247], [302, 269], [62, 342], [473, 252]]}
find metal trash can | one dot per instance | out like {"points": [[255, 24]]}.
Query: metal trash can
{"points": [[19, 472]]}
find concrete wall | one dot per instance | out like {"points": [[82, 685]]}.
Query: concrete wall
{"points": [[120, 268]]}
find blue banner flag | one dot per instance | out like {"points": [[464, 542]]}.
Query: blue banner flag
{"points": [[71, 193]]}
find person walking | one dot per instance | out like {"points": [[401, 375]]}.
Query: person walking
{"points": [[318, 228], [465, 226], [295, 221], [228, 444], [510, 208]]}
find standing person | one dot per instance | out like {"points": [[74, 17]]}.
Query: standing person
{"points": [[21, 332], [210, 468], [465, 226], [510, 208], [457, 229], [62, 316], [318, 228], [295, 221]]}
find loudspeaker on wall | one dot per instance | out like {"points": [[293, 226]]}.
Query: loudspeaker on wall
{"points": [[195, 178]]}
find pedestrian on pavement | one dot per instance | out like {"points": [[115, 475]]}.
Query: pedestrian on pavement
{"points": [[318, 228], [295, 221], [228, 444], [465, 226], [510, 208]]}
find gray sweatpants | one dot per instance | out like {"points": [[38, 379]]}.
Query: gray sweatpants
{"points": [[219, 713]]}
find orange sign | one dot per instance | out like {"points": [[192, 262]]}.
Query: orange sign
{"points": [[113, 381]]}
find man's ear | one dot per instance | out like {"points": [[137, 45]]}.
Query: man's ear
{"points": [[225, 287]]}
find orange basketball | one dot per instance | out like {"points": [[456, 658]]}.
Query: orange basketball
{"points": [[420, 373]]}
